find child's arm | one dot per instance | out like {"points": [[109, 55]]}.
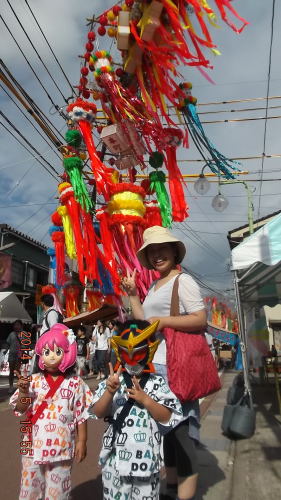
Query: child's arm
{"points": [[102, 407], [24, 399], [159, 412], [81, 443]]}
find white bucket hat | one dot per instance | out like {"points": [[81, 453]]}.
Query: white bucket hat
{"points": [[159, 234]]}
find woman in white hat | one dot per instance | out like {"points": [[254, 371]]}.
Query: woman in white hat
{"points": [[162, 252]]}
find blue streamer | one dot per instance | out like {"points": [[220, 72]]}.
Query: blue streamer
{"points": [[106, 288], [218, 163]]}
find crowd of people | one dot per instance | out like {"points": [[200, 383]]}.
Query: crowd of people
{"points": [[134, 397]]}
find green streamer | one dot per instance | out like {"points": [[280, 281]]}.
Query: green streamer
{"points": [[73, 166], [157, 184]]}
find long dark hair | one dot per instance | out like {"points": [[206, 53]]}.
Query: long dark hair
{"points": [[101, 328]]}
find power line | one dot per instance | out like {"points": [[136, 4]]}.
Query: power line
{"points": [[30, 145], [32, 69], [30, 105], [47, 42], [267, 98], [35, 213], [20, 205], [36, 51], [30, 121]]}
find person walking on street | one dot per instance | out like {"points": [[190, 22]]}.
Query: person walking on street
{"points": [[92, 354], [163, 252], [82, 351], [51, 315], [14, 358], [102, 348]]}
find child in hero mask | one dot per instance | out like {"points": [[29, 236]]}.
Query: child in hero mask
{"points": [[134, 401]]}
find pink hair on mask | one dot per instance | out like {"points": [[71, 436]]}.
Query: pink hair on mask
{"points": [[56, 336]]}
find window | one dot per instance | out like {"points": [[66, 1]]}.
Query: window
{"points": [[17, 272], [31, 277]]}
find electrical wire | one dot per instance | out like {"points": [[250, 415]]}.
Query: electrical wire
{"points": [[39, 155], [32, 69], [267, 99], [34, 213], [34, 109], [47, 42], [30, 121], [19, 205], [36, 51]]}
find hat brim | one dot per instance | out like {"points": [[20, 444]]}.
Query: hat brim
{"points": [[142, 256]]}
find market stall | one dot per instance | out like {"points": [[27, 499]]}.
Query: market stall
{"points": [[256, 263]]}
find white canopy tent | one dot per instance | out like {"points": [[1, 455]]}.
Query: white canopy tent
{"points": [[256, 263], [12, 309]]}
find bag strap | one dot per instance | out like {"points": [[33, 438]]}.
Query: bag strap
{"points": [[54, 385], [175, 301]]}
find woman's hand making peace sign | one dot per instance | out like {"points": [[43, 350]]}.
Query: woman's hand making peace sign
{"points": [[113, 382], [129, 283]]}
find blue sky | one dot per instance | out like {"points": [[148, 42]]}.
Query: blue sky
{"points": [[239, 73]]}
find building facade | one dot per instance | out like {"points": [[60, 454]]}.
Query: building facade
{"points": [[29, 265]]}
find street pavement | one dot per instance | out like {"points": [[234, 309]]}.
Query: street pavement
{"points": [[241, 470]]}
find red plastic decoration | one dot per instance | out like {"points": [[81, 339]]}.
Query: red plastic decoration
{"points": [[101, 30], [89, 47], [84, 71], [91, 36]]}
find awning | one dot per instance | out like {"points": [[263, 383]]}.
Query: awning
{"points": [[12, 309], [262, 246]]}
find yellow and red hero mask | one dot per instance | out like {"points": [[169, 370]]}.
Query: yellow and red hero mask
{"points": [[134, 346]]}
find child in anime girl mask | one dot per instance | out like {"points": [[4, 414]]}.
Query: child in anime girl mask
{"points": [[56, 405], [135, 402]]}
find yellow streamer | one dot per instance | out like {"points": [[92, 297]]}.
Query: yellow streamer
{"points": [[68, 232]]}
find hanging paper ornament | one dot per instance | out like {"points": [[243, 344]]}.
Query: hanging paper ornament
{"points": [[58, 239], [173, 138], [83, 113], [157, 184], [68, 232], [52, 266], [74, 166], [56, 220], [123, 104], [95, 299], [152, 213], [218, 163], [66, 193], [71, 293]]}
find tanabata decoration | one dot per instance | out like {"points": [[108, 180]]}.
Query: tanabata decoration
{"points": [[58, 240], [157, 183], [154, 37], [95, 299], [123, 103], [68, 232], [152, 213], [83, 113], [71, 293], [73, 165], [52, 266], [216, 161]]}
